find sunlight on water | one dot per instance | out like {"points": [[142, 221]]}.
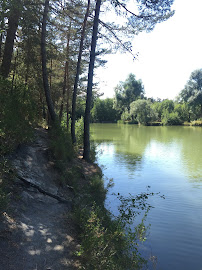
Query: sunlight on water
{"points": [[169, 159]]}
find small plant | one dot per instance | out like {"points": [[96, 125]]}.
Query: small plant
{"points": [[79, 131], [61, 143], [5, 177], [111, 242]]}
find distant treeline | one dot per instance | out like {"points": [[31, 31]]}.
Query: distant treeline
{"points": [[130, 104]]}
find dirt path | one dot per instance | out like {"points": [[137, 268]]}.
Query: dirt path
{"points": [[37, 232]]}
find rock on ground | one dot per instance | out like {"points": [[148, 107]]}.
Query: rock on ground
{"points": [[37, 232]]}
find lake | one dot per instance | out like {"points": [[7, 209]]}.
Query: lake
{"points": [[169, 159]]}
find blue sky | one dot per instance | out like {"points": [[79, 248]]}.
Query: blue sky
{"points": [[167, 55]]}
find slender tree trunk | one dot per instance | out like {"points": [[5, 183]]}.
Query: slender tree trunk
{"points": [[68, 95], [1, 36], [51, 70], [44, 61], [63, 92], [77, 75], [66, 80], [86, 153], [27, 61], [10, 37], [14, 70]]}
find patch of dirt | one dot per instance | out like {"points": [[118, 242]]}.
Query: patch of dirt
{"points": [[37, 232]]}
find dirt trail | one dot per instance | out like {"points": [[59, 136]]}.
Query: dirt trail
{"points": [[37, 232]]}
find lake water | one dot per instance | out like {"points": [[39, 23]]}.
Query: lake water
{"points": [[169, 159]]}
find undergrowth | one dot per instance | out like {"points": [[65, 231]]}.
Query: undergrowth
{"points": [[18, 113], [60, 143], [107, 241], [18, 116], [6, 177]]}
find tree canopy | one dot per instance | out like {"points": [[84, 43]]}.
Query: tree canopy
{"points": [[127, 92], [64, 37], [192, 92], [142, 110]]}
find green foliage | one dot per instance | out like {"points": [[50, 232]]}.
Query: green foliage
{"points": [[141, 110], [107, 241], [69, 174], [126, 116], [103, 111], [160, 107], [172, 118], [79, 131], [196, 123], [103, 244], [60, 143], [111, 242], [183, 111], [96, 187], [5, 177], [192, 92], [18, 114], [127, 92]]}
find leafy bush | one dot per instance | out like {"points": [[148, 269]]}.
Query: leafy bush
{"points": [[142, 111], [109, 242], [5, 177], [103, 111], [183, 111], [126, 116], [197, 123], [171, 118], [79, 131], [61, 143]]}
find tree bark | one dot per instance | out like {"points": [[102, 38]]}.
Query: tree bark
{"points": [[86, 153], [66, 81], [1, 36], [14, 70], [10, 37], [77, 75], [44, 61], [63, 92]]}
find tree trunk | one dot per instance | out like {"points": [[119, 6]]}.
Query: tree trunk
{"points": [[1, 36], [44, 61], [66, 81], [27, 61], [68, 95], [10, 37], [86, 153], [63, 92], [77, 75], [14, 70]]}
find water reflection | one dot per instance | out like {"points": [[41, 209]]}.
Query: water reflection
{"points": [[169, 160], [162, 144]]}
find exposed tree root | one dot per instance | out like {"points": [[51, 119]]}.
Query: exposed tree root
{"points": [[62, 200]]}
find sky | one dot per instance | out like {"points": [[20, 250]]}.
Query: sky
{"points": [[166, 56]]}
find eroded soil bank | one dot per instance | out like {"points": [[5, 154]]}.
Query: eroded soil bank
{"points": [[37, 232]]}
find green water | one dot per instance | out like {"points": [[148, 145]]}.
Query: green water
{"points": [[169, 159]]}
